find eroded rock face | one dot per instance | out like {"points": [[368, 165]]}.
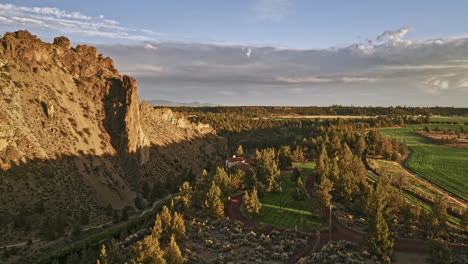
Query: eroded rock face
{"points": [[73, 134]]}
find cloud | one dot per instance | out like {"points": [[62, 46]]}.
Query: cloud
{"points": [[413, 73], [272, 10], [150, 46], [394, 36], [56, 20]]}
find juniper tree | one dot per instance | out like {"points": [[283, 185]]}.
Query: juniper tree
{"points": [[185, 196], [149, 251], [173, 254], [285, 157], [213, 201], [379, 236], [252, 203], [178, 226], [295, 175], [240, 151]]}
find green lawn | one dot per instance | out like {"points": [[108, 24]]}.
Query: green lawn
{"points": [[442, 165], [294, 214]]}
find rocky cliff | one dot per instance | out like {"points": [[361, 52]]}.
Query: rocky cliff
{"points": [[73, 135]]}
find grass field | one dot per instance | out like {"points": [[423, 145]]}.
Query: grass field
{"points": [[294, 214], [442, 165], [459, 120]]}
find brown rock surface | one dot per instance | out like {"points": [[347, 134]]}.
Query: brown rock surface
{"points": [[73, 134]]}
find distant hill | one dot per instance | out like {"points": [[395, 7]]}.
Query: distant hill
{"points": [[171, 103]]}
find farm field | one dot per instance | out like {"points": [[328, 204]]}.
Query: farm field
{"points": [[459, 120], [443, 165], [294, 214]]}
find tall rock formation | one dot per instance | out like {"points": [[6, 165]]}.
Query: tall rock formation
{"points": [[74, 136]]}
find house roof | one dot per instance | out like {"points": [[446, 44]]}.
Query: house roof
{"points": [[242, 166], [236, 159]]}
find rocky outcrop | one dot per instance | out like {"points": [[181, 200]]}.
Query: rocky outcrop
{"points": [[74, 135]]}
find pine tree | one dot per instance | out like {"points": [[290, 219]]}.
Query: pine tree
{"points": [[439, 212], [299, 193], [166, 221], [240, 151], [464, 220], [285, 157], [157, 228], [298, 154], [173, 254], [252, 203], [322, 168], [178, 226], [379, 236], [185, 196], [324, 192], [295, 175], [213, 201], [222, 180], [267, 170], [103, 255], [148, 251], [250, 179], [360, 145]]}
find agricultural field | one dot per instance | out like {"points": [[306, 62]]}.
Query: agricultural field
{"points": [[443, 165], [280, 209], [459, 120]]}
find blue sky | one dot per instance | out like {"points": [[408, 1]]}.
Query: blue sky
{"points": [[289, 23], [298, 52]]}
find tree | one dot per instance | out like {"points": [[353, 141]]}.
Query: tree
{"points": [[157, 228], [379, 237], [166, 221], [240, 151], [213, 201], [252, 203], [360, 145], [439, 211], [267, 170], [439, 252], [250, 179], [221, 178], [324, 192], [178, 226], [285, 157], [103, 255], [299, 193], [295, 175], [464, 220], [148, 251], [185, 196], [322, 168], [298, 154], [173, 254]]}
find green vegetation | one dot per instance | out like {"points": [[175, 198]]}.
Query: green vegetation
{"points": [[442, 165], [456, 119], [280, 209]]}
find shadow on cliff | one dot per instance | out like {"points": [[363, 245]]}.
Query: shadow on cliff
{"points": [[68, 185]]}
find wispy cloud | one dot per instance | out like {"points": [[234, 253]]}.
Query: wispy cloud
{"points": [[273, 10], [57, 20], [393, 36]]}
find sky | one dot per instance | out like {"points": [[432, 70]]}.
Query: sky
{"points": [[270, 52]]}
